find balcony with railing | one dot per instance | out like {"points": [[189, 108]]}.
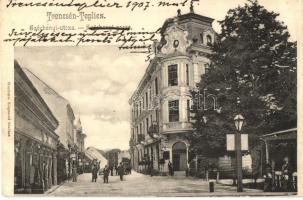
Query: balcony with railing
{"points": [[141, 138], [153, 130], [176, 126]]}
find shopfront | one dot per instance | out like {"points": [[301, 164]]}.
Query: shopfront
{"points": [[281, 159], [35, 165], [35, 141]]}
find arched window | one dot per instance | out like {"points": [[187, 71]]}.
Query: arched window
{"points": [[208, 40], [201, 38], [206, 66]]}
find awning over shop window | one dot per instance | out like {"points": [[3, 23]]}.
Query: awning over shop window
{"points": [[289, 134]]}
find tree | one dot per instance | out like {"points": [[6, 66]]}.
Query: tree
{"points": [[252, 60]]}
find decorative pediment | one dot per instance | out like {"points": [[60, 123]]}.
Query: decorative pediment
{"points": [[176, 40], [171, 93]]}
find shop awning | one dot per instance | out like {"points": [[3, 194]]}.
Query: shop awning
{"points": [[289, 134]]}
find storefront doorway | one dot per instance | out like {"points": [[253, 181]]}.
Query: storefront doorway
{"points": [[179, 156]]}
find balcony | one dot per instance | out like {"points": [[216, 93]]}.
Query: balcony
{"points": [[153, 130], [177, 126], [141, 138]]}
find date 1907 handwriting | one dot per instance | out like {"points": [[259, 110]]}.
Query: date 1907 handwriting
{"points": [[83, 4]]}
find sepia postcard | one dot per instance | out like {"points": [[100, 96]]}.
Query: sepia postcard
{"points": [[151, 98]]}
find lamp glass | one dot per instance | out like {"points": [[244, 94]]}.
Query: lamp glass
{"points": [[204, 119], [239, 119]]}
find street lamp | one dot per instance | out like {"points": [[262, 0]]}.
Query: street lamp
{"points": [[239, 119]]}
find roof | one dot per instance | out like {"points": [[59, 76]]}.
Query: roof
{"points": [[21, 72], [185, 17], [88, 155], [93, 152], [57, 104], [289, 134]]}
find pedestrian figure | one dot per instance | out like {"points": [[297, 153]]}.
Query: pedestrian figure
{"points": [[268, 179], [121, 171], [105, 174], [170, 168], [95, 170], [74, 172], [286, 175], [116, 169], [111, 170], [151, 170]]}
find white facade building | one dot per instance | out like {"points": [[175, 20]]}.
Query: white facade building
{"points": [[160, 105]]}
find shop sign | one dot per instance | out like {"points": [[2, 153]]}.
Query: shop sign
{"points": [[230, 142]]}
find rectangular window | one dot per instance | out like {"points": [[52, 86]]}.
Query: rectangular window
{"points": [[157, 115], [142, 105], [172, 75], [173, 107], [156, 86], [147, 125], [146, 99], [206, 68], [188, 110], [150, 95], [201, 38], [140, 128], [187, 75], [151, 119]]}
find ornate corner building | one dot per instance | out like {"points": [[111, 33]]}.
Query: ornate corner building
{"points": [[160, 117]]}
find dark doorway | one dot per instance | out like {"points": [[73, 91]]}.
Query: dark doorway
{"points": [[179, 156]]}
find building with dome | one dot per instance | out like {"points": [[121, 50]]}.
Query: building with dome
{"points": [[160, 117]]}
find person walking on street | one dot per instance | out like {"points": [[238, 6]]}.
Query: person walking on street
{"points": [[116, 169], [111, 170], [170, 168], [94, 173], [286, 175], [151, 169], [268, 184], [121, 171], [105, 174], [74, 172]]}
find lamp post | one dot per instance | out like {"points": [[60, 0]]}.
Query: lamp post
{"points": [[239, 119]]}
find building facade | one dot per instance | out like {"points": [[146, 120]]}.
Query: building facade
{"points": [[123, 155], [62, 110], [79, 138], [35, 139], [160, 117], [113, 157]]}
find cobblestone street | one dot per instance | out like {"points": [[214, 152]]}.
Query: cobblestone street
{"points": [[142, 185]]}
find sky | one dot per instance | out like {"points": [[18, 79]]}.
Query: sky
{"points": [[99, 80]]}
